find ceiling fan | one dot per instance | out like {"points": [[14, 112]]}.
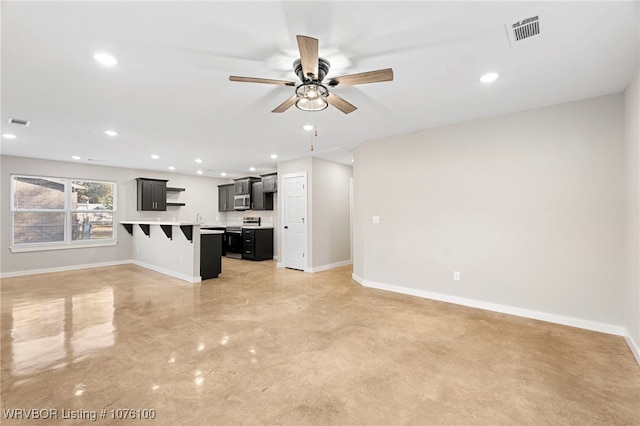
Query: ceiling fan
{"points": [[311, 94]]}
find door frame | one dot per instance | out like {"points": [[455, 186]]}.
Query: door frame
{"points": [[282, 206]]}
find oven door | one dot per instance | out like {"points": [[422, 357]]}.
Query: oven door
{"points": [[234, 244]]}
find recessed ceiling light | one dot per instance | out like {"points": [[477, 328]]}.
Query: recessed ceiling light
{"points": [[198, 160], [8, 136], [489, 77], [199, 172], [308, 127], [111, 133], [105, 59], [75, 157], [155, 156], [223, 174], [253, 169], [171, 168], [274, 156]]}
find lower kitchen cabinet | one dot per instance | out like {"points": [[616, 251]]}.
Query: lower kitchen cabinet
{"points": [[257, 244], [210, 255]]}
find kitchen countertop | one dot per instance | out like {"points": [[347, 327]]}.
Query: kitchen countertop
{"points": [[157, 222], [201, 225], [210, 231]]}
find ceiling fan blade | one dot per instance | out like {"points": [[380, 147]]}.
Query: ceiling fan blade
{"points": [[286, 104], [362, 78], [308, 47], [340, 103], [261, 80]]}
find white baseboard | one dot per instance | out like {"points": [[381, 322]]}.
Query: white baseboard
{"points": [[169, 272], [356, 278], [63, 268], [327, 267], [511, 310], [100, 265], [320, 268], [633, 345]]}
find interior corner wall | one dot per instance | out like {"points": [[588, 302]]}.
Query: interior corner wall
{"points": [[632, 212], [200, 196], [331, 214], [528, 207]]}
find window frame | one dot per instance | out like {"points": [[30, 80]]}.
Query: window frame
{"points": [[68, 210]]}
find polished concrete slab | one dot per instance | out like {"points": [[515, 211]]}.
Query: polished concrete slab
{"points": [[265, 345]]}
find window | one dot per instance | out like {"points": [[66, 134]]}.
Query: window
{"points": [[50, 212]]}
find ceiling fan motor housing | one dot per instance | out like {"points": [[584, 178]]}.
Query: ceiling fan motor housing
{"points": [[323, 69]]}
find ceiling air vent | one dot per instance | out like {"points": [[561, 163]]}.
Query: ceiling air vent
{"points": [[524, 30], [19, 122]]}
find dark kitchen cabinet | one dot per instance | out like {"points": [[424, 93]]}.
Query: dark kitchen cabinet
{"points": [[257, 243], [270, 182], [152, 194], [259, 199], [243, 185], [225, 197], [210, 255]]}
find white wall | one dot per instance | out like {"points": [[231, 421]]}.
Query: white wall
{"points": [[632, 217], [328, 210], [201, 196], [529, 207], [331, 214]]}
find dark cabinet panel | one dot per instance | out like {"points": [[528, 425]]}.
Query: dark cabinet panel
{"points": [[210, 255], [243, 186], [270, 182], [152, 194], [257, 244], [230, 194], [225, 197], [259, 199]]}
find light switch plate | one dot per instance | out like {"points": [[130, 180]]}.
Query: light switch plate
{"points": [[375, 219]]}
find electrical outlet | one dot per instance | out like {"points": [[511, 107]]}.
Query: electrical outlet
{"points": [[456, 275], [375, 220], [180, 258]]}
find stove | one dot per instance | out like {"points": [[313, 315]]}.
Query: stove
{"points": [[251, 221], [234, 236]]}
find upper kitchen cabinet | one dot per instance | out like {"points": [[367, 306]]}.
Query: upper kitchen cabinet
{"points": [[152, 194], [270, 182], [261, 200], [225, 197], [243, 185]]}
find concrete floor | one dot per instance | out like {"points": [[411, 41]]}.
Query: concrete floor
{"points": [[264, 345]]}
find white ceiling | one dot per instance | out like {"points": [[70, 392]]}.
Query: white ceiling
{"points": [[170, 95]]}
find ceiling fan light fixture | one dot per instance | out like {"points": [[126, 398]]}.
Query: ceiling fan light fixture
{"points": [[312, 97]]}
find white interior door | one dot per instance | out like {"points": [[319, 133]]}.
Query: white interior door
{"points": [[295, 221]]}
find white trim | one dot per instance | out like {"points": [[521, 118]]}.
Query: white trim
{"points": [[633, 345], [169, 272], [74, 245], [330, 266], [279, 265], [307, 221], [100, 265], [511, 310], [356, 278], [63, 268]]}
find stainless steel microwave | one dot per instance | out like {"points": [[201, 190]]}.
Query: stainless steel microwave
{"points": [[242, 202]]}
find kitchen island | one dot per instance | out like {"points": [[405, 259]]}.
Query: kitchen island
{"points": [[174, 248]]}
